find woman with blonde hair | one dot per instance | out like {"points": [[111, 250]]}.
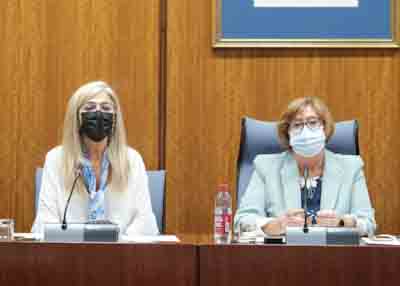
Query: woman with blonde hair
{"points": [[112, 185], [337, 190]]}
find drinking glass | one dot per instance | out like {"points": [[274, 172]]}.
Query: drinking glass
{"points": [[6, 229], [247, 232]]}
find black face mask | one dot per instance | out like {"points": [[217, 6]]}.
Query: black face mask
{"points": [[97, 125]]}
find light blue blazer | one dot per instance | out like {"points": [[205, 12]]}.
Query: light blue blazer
{"points": [[274, 188]]}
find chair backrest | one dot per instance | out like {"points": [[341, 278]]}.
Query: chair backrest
{"points": [[261, 137], [38, 184], [157, 195], [156, 188]]}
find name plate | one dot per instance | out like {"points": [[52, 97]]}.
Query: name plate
{"points": [[342, 236], [314, 236], [81, 232], [322, 236]]}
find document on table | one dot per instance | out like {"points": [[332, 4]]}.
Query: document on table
{"points": [[306, 3], [382, 239], [27, 236], [123, 238], [149, 238]]}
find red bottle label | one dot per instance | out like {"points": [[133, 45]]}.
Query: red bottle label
{"points": [[222, 222]]}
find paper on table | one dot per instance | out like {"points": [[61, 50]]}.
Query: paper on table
{"points": [[382, 240], [27, 236], [149, 238]]}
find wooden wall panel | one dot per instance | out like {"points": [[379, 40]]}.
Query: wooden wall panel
{"points": [[209, 91], [49, 48], [9, 91]]}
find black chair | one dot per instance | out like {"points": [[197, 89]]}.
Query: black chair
{"points": [[261, 137]]}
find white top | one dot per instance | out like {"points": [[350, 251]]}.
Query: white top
{"points": [[130, 208]]}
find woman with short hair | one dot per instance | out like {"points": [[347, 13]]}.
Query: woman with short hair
{"points": [[338, 194]]}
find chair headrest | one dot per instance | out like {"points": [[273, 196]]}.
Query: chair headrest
{"points": [[261, 137]]}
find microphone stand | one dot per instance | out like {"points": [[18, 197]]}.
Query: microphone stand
{"points": [[64, 221], [305, 226], [306, 235]]}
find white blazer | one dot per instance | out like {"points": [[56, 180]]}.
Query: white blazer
{"points": [[130, 208]]}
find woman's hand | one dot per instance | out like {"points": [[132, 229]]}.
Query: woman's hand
{"points": [[293, 217], [349, 221], [329, 218]]}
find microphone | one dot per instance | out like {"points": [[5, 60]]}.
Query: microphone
{"points": [[305, 227], [78, 173], [79, 232]]}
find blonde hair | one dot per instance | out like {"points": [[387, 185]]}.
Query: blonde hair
{"points": [[73, 145], [298, 105]]}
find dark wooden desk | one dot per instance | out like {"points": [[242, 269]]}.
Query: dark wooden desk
{"points": [[251, 265], [74, 264], [35, 263]]}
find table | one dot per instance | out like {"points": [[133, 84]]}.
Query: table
{"points": [[232, 265], [201, 264], [95, 264]]}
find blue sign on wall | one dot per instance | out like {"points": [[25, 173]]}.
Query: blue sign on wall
{"points": [[324, 20]]}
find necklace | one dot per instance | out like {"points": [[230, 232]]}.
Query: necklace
{"points": [[312, 184]]}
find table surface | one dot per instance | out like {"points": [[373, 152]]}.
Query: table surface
{"points": [[200, 263]]}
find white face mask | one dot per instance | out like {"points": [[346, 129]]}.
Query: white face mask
{"points": [[308, 143]]}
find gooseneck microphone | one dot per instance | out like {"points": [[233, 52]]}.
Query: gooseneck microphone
{"points": [[78, 172], [79, 232], [305, 198]]}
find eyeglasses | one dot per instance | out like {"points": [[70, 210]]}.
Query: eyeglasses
{"points": [[92, 106], [313, 123]]}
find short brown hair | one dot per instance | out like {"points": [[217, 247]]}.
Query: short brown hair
{"points": [[299, 105]]}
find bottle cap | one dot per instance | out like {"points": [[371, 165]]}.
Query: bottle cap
{"points": [[222, 188]]}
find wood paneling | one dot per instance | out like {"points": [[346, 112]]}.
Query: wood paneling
{"points": [[208, 91], [49, 48], [236, 265], [100, 264], [9, 91]]}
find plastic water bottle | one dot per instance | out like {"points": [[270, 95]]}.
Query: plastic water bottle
{"points": [[222, 215]]}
